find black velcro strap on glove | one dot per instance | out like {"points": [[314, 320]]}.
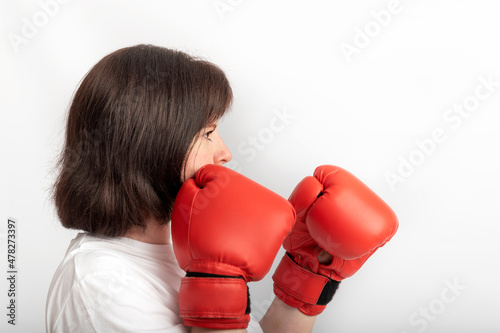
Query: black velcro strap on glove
{"points": [[328, 292]]}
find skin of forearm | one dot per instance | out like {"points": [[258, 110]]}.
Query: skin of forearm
{"points": [[283, 318]]}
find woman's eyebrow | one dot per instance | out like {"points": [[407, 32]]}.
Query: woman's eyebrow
{"points": [[214, 126]]}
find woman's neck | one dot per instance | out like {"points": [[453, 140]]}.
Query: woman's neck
{"points": [[154, 233]]}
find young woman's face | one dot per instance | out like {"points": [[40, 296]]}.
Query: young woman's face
{"points": [[208, 148]]}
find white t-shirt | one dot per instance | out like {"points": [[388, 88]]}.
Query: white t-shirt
{"points": [[116, 285]]}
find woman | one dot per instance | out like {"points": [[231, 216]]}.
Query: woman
{"points": [[143, 120]]}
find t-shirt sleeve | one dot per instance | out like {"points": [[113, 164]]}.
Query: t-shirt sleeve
{"points": [[118, 302]]}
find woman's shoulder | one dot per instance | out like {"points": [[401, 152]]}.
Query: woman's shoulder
{"points": [[93, 258], [88, 254], [100, 265], [104, 277]]}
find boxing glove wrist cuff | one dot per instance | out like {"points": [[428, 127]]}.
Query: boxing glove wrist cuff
{"points": [[214, 301], [301, 288]]}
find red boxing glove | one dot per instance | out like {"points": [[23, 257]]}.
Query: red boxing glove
{"points": [[338, 214], [226, 231]]}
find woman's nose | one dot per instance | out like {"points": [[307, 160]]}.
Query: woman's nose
{"points": [[223, 154]]}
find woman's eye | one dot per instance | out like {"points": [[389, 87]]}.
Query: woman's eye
{"points": [[207, 135]]}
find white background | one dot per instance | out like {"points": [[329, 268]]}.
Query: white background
{"points": [[372, 112]]}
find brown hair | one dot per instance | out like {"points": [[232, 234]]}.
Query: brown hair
{"points": [[130, 126]]}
